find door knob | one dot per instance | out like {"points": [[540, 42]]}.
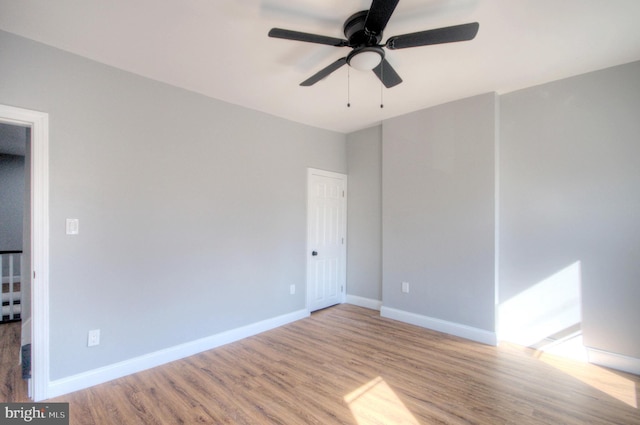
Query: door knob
{"points": [[314, 253]]}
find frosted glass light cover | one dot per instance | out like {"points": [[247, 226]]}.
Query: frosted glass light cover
{"points": [[365, 61]]}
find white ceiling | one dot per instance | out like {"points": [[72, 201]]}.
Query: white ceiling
{"points": [[220, 48]]}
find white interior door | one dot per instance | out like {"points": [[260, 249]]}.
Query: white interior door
{"points": [[326, 239]]}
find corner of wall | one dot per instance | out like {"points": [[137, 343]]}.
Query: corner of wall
{"points": [[364, 302], [451, 328]]}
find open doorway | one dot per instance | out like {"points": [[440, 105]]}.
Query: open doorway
{"points": [[15, 254], [32, 127]]}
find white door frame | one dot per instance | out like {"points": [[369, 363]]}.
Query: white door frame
{"points": [[39, 124], [343, 259]]}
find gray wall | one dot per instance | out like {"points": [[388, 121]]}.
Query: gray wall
{"points": [[192, 211], [438, 212], [568, 173], [570, 194], [12, 190], [364, 250]]}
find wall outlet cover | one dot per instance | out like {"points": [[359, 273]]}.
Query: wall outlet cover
{"points": [[94, 338], [405, 287]]}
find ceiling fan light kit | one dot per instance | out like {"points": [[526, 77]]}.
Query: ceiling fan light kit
{"points": [[366, 58], [363, 32]]}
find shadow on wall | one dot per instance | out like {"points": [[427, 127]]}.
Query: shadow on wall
{"points": [[545, 313]]}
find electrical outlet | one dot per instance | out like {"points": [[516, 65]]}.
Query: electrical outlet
{"points": [[405, 287], [94, 338], [292, 289]]}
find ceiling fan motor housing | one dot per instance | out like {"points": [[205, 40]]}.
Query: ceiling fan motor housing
{"points": [[356, 33]]}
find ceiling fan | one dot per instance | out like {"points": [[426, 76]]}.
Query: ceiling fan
{"points": [[363, 32]]}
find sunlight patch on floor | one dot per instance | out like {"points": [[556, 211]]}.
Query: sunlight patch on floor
{"points": [[376, 403], [610, 383]]}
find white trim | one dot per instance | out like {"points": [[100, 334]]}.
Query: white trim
{"points": [[325, 173], [364, 302], [117, 370], [496, 212], [463, 331], [39, 124], [613, 360]]}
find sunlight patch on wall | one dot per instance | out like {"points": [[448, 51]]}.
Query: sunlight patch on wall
{"points": [[571, 347], [376, 403], [546, 309]]}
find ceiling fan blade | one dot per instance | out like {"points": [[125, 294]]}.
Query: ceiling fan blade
{"points": [[387, 74], [452, 34], [379, 14], [323, 73], [309, 38]]}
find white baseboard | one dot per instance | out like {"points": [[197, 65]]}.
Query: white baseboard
{"points": [[117, 370], [452, 328], [613, 360], [364, 302]]}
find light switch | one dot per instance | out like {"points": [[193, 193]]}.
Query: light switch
{"points": [[73, 226]]}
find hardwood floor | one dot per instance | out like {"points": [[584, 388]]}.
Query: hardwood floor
{"points": [[347, 365], [14, 388]]}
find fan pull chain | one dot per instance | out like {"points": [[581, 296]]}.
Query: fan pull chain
{"points": [[348, 87], [381, 85]]}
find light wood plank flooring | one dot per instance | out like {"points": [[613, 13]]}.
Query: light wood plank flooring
{"points": [[347, 365], [14, 388]]}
